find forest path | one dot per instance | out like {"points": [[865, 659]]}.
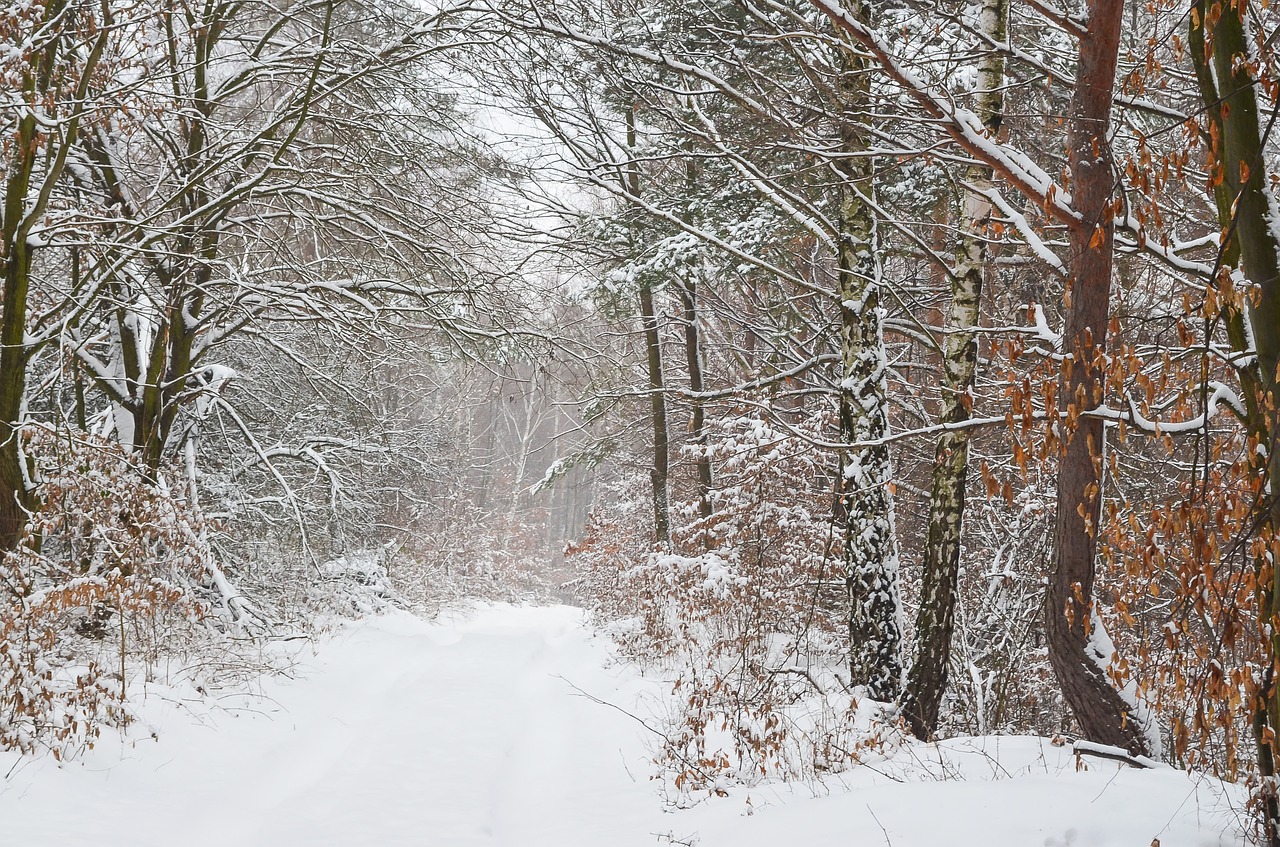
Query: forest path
{"points": [[477, 730], [397, 732]]}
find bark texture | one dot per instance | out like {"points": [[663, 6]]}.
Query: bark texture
{"points": [[37, 158], [935, 622], [693, 360], [16, 499], [865, 505], [1077, 652], [659, 471]]}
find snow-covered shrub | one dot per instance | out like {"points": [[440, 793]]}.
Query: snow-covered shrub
{"points": [[1001, 681], [746, 610], [356, 583], [474, 553], [107, 570]]}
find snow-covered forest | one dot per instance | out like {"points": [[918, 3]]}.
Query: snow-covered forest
{"points": [[567, 422]]}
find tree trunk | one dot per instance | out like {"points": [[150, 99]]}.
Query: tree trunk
{"points": [[935, 622], [1249, 242], [693, 358], [1078, 649], [864, 506], [169, 372], [697, 415], [16, 499], [25, 201], [660, 470]]}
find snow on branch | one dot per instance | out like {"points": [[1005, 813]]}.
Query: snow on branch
{"points": [[1220, 395], [1115, 754], [965, 127], [1024, 228]]}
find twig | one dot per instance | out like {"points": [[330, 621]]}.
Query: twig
{"points": [[887, 840], [804, 673], [670, 744]]}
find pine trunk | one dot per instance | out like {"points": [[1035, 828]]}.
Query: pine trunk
{"points": [[1078, 652], [659, 471], [693, 359]]}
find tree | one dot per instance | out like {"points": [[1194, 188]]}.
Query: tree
{"points": [[864, 502], [53, 83], [935, 622], [1229, 84], [1079, 648], [660, 472]]}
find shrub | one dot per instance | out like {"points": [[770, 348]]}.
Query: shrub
{"points": [[109, 565]]}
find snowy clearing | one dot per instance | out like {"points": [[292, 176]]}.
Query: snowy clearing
{"points": [[474, 731]]}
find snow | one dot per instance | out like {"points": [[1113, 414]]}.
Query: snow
{"points": [[1101, 650], [1220, 395], [509, 726], [1024, 228]]}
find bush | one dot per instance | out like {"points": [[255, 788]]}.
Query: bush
{"points": [[747, 610], [109, 566]]}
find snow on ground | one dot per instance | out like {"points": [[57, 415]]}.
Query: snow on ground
{"points": [[475, 731]]}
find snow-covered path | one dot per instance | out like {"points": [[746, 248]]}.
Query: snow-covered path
{"points": [[476, 732], [397, 733]]}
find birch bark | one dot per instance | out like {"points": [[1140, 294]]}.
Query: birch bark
{"points": [[864, 506], [935, 622]]}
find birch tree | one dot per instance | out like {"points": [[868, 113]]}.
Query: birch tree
{"points": [[936, 619], [864, 505]]}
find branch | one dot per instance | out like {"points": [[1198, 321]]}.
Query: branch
{"points": [[961, 124], [1059, 17], [1115, 754]]}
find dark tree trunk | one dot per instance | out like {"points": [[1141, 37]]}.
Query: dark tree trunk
{"points": [[16, 499], [693, 359], [1077, 653], [660, 469], [697, 414]]}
